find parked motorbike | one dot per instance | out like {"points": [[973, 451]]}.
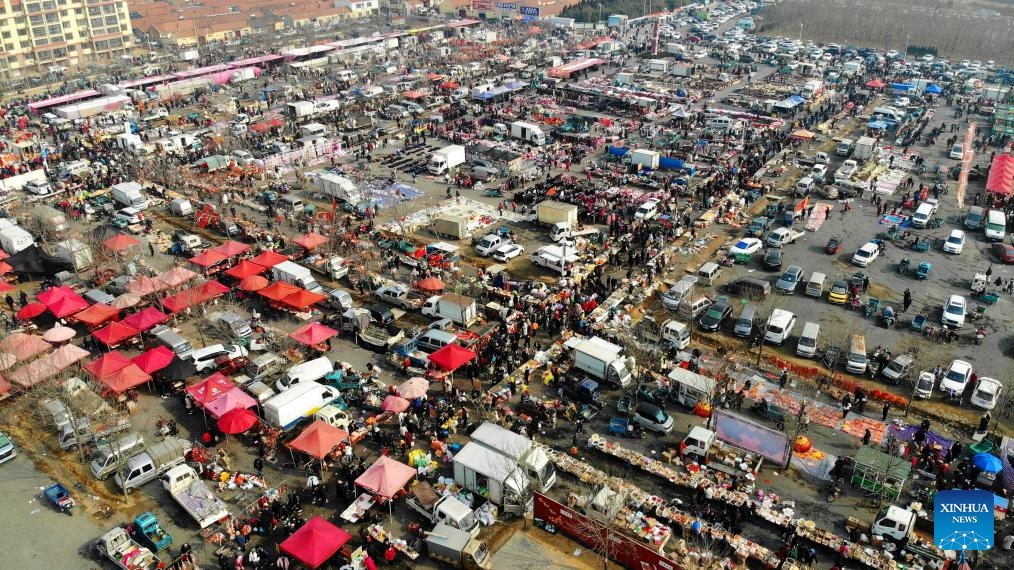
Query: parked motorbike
{"points": [[979, 335], [952, 396], [836, 489]]}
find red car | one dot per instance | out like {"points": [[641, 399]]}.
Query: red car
{"points": [[1005, 252]]}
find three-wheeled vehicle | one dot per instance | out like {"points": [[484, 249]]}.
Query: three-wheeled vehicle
{"points": [[60, 498], [623, 427], [919, 323], [871, 307], [923, 271], [146, 530]]}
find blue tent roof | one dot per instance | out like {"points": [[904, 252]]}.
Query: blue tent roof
{"points": [[877, 125], [485, 95], [935, 89], [901, 86], [515, 85], [795, 99]]}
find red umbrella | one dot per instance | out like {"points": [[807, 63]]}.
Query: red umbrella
{"points": [[237, 421], [120, 242], [276, 122], [253, 283], [394, 404], [431, 284], [260, 127], [31, 310]]}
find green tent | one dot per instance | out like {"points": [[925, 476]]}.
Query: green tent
{"points": [[880, 473]]}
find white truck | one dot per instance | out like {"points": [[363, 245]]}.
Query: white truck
{"points": [[457, 549], [121, 550], [521, 450], [49, 220], [300, 109], [478, 468], [528, 132], [564, 230], [334, 267], [555, 258], [130, 195], [299, 402], [444, 159], [295, 274], [690, 388], [551, 212], [442, 508], [340, 187], [845, 171], [648, 159], [865, 147], [458, 308], [14, 238], [603, 360], [191, 493], [782, 236]]}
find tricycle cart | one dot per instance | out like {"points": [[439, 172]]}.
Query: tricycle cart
{"points": [[146, 530], [919, 323], [904, 266], [742, 258], [920, 245], [888, 317], [493, 192], [979, 283], [623, 405], [60, 498], [988, 298], [833, 246], [621, 427], [872, 306], [923, 271], [769, 411]]}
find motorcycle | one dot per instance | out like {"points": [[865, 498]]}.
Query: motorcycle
{"points": [[835, 489], [979, 335]]}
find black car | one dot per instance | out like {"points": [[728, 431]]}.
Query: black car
{"points": [[773, 259], [380, 314], [715, 316]]}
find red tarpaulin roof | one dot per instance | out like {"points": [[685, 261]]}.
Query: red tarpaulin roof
{"points": [[146, 318], [278, 290], [231, 248], [31, 310], [145, 285], [53, 293], [176, 276], [386, 477], [24, 346], [319, 439], [115, 333], [310, 240], [96, 314], [313, 334], [211, 289], [191, 297], [107, 364], [245, 269], [210, 389], [67, 305], [411, 95], [315, 542], [155, 359], [120, 242], [302, 299], [253, 283], [269, 259], [875, 83], [449, 85], [1001, 175], [208, 258], [234, 399], [129, 377], [431, 284], [451, 357]]}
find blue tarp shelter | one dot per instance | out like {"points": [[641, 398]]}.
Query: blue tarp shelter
{"points": [[617, 151], [934, 89], [790, 102], [906, 87], [878, 125], [485, 95]]}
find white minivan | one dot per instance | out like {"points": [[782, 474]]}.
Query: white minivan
{"points": [[309, 371], [779, 326], [996, 225], [807, 345]]}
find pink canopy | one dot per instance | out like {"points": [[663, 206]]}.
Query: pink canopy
{"points": [[146, 319], [67, 305], [451, 357], [319, 439], [394, 404], [231, 248], [386, 477], [34, 372], [145, 285], [50, 295], [129, 377], [24, 346], [210, 389], [414, 388], [234, 399], [310, 240], [114, 333], [312, 334], [315, 542], [1001, 175], [155, 359], [176, 276], [66, 356], [120, 242], [108, 364]]}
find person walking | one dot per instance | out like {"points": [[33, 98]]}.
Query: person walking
{"points": [[784, 378], [259, 466], [887, 408], [907, 302], [867, 437]]}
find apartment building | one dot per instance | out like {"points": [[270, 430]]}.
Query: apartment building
{"points": [[41, 36]]}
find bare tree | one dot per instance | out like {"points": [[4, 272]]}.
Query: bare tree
{"points": [[602, 506]]}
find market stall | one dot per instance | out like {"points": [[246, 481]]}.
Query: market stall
{"points": [[880, 473]]}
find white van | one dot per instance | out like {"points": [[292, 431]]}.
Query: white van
{"points": [[291, 203], [815, 286], [489, 244], [647, 210], [996, 225], [805, 186], [109, 455], [708, 273], [844, 147], [721, 124], [292, 406], [309, 371], [857, 360], [807, 345], [779, 326], [922, 215]]}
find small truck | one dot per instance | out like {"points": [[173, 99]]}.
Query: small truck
{"points": [[146, 530], [457, 549], [121, 550], [187, 489], [399, 296], [782, 236], [445, 509]]}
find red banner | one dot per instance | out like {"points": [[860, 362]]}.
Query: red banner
{"points": [[967, 155], [482, 5], [555, 517]]}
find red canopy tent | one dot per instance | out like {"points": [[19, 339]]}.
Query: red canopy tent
{"points": [[155, 359], [278, 290], [875, 84], [208, 258], [449, 85], [234, 399], [210, 389], [302, 299], [146, 318], [50, 295], [231, 248], [96, 315], [451, 357], [269, 259], [253, 283], [310, 240], [131, 376], [212, 289], [1001, 175], [237, 421], [107, 364], [114, 333], [319, 439], [312, 334], [386, 477], [315, 542], [67, 305], [260, 127], [244, 269], [120, 242], [191, 297], [31, 310]]}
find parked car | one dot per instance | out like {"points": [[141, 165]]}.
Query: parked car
{"points": [[866, 254], [790, 280], [899, 367], [508, 252], [954, 312], [715, 315], [204, 358], [955, 242], [956, 377], [839, 292], [1004, 252], [773, 259], [746, 246]]}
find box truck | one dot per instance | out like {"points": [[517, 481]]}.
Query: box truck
{"points": [[130, 195], [291, 407], [603, 360], [482, 470], [446, 158], [528, 132], [49, 220], [442, 509], [457, 549], [295, 274], [458, 308], [648, 159], [550, 212], [531, 457], [15, 238], [448, 226]]}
